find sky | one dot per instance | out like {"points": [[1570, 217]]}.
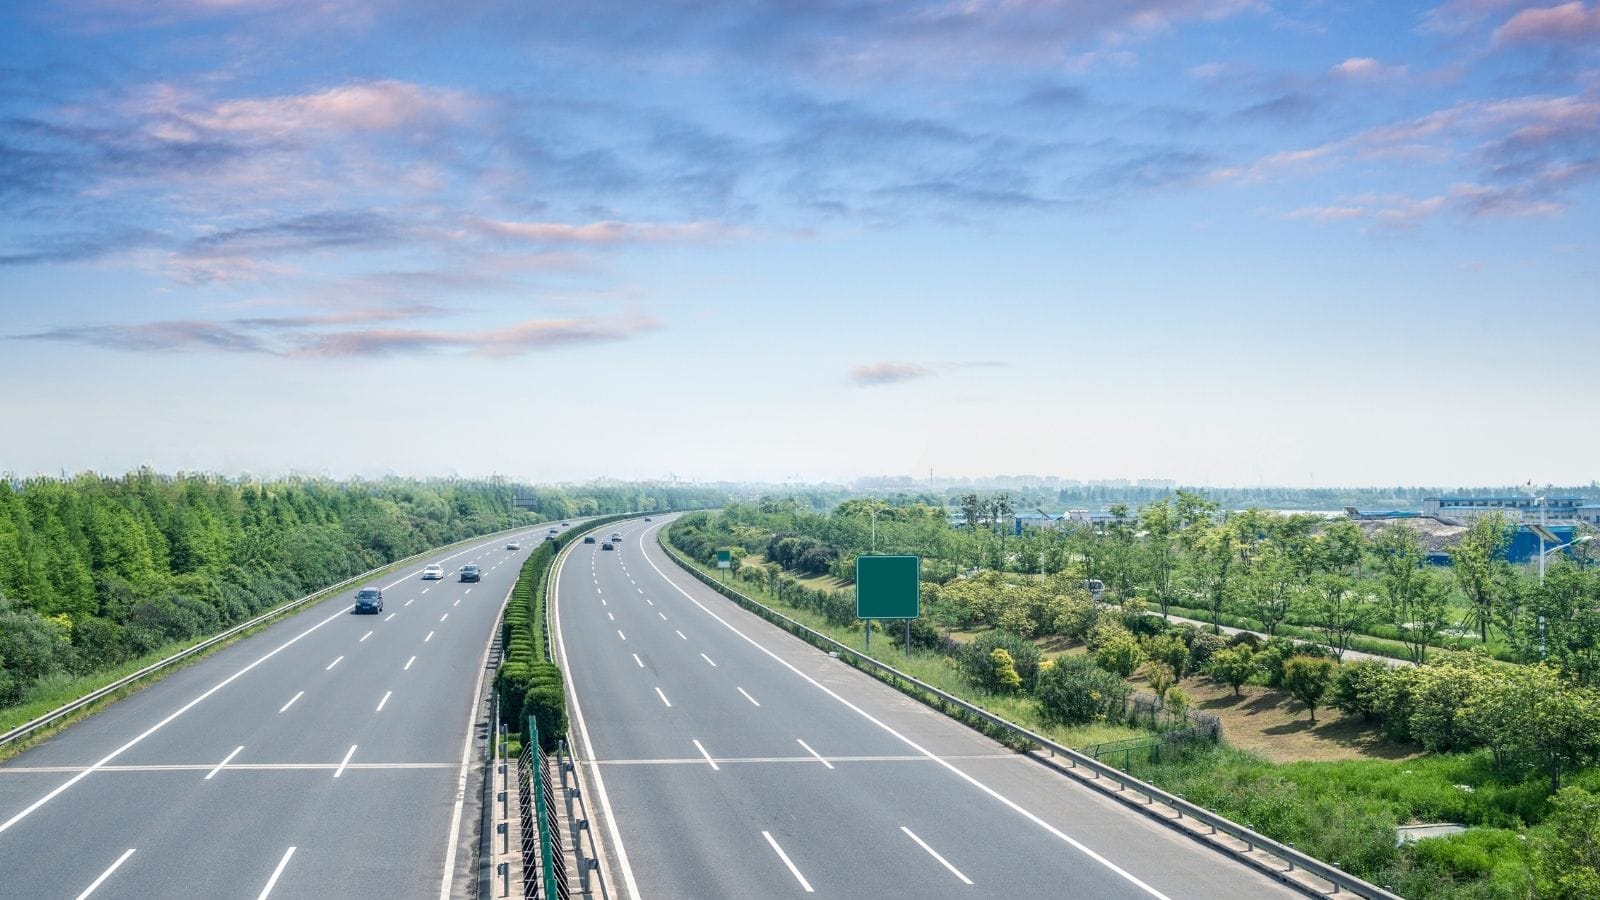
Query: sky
{"points": [[1227, 242]]}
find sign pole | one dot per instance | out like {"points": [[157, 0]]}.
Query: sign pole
{"points": [[908, 637]]}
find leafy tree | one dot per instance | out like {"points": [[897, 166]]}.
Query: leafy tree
{"points": [[1338, 610], [1478, 562], [1273, 589], [1417, 599], [1161, 678], [1233, 666], [1005, 671], [1160, 526], [1566, 858], [1119, 653], [1307, 679]]}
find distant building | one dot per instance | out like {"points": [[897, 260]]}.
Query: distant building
{"points": [[1517, 509]]}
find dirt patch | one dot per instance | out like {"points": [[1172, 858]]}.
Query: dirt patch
{"points": [[1275, 726]]}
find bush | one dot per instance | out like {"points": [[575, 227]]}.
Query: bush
{"points": [[1075, 691], [546, 705], [1358, 689], [1234, 666], [978, 664], [1120, 654], [1307, 678], [1279, 649], [1203, 646], [1567, 862]]}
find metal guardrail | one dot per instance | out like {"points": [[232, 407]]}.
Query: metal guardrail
{"points": [[544, 862], [28, 728], [1340, 879]]}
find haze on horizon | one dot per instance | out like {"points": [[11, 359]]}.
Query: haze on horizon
{"points": [[1226, 242]]}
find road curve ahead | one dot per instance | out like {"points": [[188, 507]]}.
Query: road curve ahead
{"points": [[733, 760], [321, 757]]}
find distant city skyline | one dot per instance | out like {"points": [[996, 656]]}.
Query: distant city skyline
{"points": [[1225, 242]]}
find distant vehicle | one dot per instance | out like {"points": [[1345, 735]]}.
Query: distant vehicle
{"points": [[647, 518], [469, 572], [616, 535], [606, 546], [549, 539], [553, 530], [369, 600], [432, 572], [514, 545], [588, 539], [565, 524]]}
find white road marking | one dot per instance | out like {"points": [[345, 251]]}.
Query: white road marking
{"points": [[603, 602], [106, 874], [933, 853], [814, 753], [638, 660], [28, 810], [702, 749], [1007, 801], [383, 701], [275, 873], [345, 762], [443, 617], [291, 701], [408, 663], [611, 616], [662, 615], [663, 697], [225, 760], [428, 638], [708, 659], [785, 857], [466, 592], [424, 590], [680, 634], [390, 616], [457, 603], [332, 664], [411, 601], [748, 697], [368, 634], [621, 635]]}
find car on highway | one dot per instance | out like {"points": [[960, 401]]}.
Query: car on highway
{"points": [[554, 530], [588, 539], [616, 535], [565, 524], [514, 545], [647, 518], [470, 572], [606, 546], [432, 572], [369, 600]]}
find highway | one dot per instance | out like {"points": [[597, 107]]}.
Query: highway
{"points": [[323, 756], [730, 759]]}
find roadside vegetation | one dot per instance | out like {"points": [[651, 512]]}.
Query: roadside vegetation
{"points": [[1467, 738], [101, 575]]}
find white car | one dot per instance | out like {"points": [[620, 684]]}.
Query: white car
{"points": [[514, 545], [432, 572]]}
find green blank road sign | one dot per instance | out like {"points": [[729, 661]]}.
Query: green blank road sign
{"points": [[724, 559], [888, 587]]}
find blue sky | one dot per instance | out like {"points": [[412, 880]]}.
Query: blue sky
{"points": [[1223, 241]]}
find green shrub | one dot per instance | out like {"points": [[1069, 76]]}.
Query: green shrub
{"points": [[547, 706], [977, 661], [1567, 861], [1358, 689], [1072, 690], [1203, 647], [1119, 653], [1233, 666]]}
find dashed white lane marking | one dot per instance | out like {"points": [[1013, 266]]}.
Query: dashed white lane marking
{"points": [[785, 857], [408, 663], [621, 635], [813, 753], [390, 616], [638, 660], [680, 634], [411, 601], [708, 659], [662, 615], [933, 853], [368, 634], [603, 602], [424, 590], [428, 638], [702, 749], [275, 874], [748, 697], [466, 592], [383, 701], [225, 760], [332, 664], [106, 874], [457, 603], [663, 697], [443, 617], [611, 616], [345, 762], [291, 701]]}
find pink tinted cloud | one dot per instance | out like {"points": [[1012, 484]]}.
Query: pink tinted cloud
{"points": [[1569, 23], [605, 233], [373, 106], [513, 340], [1365, 68], [874, 374]]}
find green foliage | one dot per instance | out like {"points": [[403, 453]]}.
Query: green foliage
{"points": [[1567, 860], [1233, 666], [980, 666], [1307, 678], [1358, 689], [1004, 671], [1072, 690], [1118, 653]]}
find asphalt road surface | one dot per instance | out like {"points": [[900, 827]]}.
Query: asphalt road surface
{"points": [[321, 757], [730, 759]]}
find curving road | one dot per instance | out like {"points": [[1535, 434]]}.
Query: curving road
{"points": [[321, 757], [730, 759]]}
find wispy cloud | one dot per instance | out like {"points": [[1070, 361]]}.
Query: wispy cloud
{"points": [[1365, 68], [512, 340], [605, 233], [882, 373], [1573, 24]]}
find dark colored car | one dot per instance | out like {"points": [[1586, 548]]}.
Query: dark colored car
{"points": [[606, 546], [588, 539], [369, 600], [469, 572]]}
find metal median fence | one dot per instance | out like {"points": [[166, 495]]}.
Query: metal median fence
{"points": [[544, 862]]}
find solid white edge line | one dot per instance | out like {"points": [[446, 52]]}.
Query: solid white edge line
{"points": [[447, 879], [702, 749], [291, 701], [345, 762], [663, 698], [785, 857], [819, 756], [386, 696], [225, 760], [935, 854], [28, 810], [1015, 807], [271, 882], [748, 697], [106, 874], [629, 882]]}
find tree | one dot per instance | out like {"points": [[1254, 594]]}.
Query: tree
{"points": [[1274, 588], [1478, 562], [1119, 653], [1307, 678], [1160, 527], [1214, 555], [1161, 678], [1566, 859], [1233, 666], [1005, 671], [1559, 621], [1338, 610], [1417, 598]]}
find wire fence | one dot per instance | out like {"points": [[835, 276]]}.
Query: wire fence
{"points": [[544, 861]]}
